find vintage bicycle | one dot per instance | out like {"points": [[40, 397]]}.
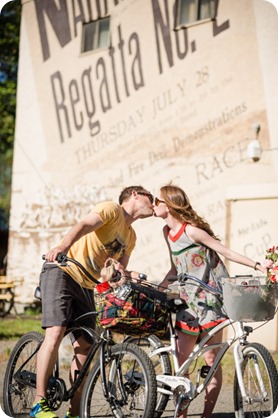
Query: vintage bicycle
{"points": [[255, 393], [121, 378]]}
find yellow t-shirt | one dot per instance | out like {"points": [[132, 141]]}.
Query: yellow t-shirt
{"points": [[113, 239]]}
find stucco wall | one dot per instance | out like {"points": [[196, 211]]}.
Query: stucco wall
{"points": [[158, 106]]}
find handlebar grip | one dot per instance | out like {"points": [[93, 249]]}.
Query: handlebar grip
{"points": [[172, 279], [182, 277], [61, 257]]}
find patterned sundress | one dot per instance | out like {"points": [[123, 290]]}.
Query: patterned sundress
{"points": [[204, 309]]}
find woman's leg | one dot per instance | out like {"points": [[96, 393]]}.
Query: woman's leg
{"points": [[214, 387], [185, 345]]}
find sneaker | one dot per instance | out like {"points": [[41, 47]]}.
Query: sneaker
{"points": [[42, 410], [71, 416]]}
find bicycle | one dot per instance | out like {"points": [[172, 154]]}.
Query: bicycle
{"points": [[121, 378], [256, 379]]}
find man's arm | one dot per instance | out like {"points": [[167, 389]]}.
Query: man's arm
{"points": [[90, 223], [124, 260]]}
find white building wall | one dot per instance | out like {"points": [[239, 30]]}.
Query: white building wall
{"points": [[148, 111]]}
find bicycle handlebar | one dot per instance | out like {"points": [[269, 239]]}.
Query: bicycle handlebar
{"points": [[183, 277], [62, 259]]}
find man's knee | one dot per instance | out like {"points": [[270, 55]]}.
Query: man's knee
{"points": [[54, 335]]}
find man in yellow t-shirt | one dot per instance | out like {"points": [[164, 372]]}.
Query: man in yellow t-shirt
{"points": [[67, 293]]}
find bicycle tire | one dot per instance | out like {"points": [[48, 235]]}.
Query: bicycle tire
{"points": [[264, 404], [17, 397], [161, 363], [6, 305], [131, 383]]}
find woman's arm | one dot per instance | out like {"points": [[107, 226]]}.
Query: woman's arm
{"points": [[202, 237]]}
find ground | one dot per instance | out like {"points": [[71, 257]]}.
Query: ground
{"points": [[223, 409]]}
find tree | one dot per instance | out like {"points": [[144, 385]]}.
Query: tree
{"points": [[9, 47]]}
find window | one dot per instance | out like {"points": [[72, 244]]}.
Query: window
{"points": [[96, 34], [191, 11]]}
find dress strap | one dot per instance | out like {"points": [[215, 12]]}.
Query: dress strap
{"points": [[178, 234]]}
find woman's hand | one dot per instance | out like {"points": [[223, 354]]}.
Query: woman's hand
{"points": [[267, 264]]}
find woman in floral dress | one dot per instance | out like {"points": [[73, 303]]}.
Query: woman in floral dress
{"points": [[194, 249]]}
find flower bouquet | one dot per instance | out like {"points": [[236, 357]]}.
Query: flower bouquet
{"points": [[271, 263]]}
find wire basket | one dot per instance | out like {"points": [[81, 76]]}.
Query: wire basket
{"points": [[249, 299], [133, 309]]}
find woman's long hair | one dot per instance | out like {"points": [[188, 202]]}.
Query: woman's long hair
{"points": [[181, 209]]}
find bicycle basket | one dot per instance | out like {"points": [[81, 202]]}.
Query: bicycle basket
{"points": [[249, 299], [133, 309]]}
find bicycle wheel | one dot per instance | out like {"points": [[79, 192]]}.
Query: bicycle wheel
{"points": [[161, 363], [260, 381], [131, 385], [18, 396], [7, 303]]}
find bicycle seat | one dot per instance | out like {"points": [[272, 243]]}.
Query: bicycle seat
{"points": [[37, 293]]}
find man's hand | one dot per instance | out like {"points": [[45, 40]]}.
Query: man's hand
{"points": [[51, 255]]}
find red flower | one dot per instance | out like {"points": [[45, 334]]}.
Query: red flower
{"points": [[272, 279], [197, 260]]}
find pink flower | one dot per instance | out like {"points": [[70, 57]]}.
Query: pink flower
{"points": [[267, 263]]}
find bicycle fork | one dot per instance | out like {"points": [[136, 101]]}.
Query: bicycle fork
{"points": [[108, 381], [239, 358]]}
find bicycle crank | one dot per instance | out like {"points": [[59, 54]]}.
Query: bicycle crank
{"points": [[181, 399]]}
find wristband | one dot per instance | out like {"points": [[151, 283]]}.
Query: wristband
{"points": [[256, 264]]}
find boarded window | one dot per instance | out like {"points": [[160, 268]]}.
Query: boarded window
{"points": [[96, 35], [190, 11]]}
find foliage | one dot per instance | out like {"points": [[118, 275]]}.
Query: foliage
{"points": [[9, 47]]}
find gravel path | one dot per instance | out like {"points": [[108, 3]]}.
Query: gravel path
{"points": [[223, 409]]}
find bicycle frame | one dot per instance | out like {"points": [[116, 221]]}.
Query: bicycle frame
{"points": [[239, 337], [101, 342]]}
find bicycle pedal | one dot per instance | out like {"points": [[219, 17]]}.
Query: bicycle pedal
{"points": [[204, 371]]}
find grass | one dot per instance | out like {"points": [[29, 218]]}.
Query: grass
{"points": [[14, 328], [228, 366]]}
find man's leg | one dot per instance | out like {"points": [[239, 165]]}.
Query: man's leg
{"points": [[81, 350], [46, 359]]}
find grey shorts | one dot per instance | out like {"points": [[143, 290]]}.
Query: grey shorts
{"points": [[63, 299]]}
